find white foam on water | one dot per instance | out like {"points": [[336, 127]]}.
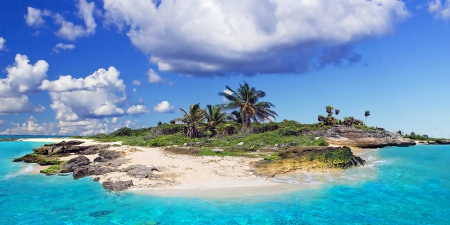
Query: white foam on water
{"points": [[25, 170]]}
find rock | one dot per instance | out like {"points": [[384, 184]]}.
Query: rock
{"points": [[117, 185], [240, 143], [106, 155], [217, 150], [74, 163], [115, 162], [316, 138], [140, 171], [276, 145], [185, 144], [431, 142], [96, 179], [443, 142], [91, 170], [351, 136]]}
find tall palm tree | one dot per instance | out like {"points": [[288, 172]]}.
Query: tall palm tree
{"points": [[367, 114], [215, 115], [246, 99], [192, 119]]}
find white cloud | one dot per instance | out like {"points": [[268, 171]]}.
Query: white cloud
{"points": [[30, 126], [62, 46], [153, 77], [34, 17], [22, 79], [97, 96], [212, 37], [228, 92], [2, 43], [164, 107], [2, 122], [440, 11], [137, 109], [136, 83], [20, 104], [71, 31]]}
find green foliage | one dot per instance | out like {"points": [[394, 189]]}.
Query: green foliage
{"points": [[419, 137], [53, 169], [39, 159]]}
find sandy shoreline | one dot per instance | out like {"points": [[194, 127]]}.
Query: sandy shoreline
{"points": [[206, 176]]}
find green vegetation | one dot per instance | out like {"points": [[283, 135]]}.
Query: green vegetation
{"points": [[309, 159], [8, 139], [53, 169], [419, 137], [39, 159]]}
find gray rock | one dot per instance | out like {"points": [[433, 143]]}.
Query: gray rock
{"points": [[240, 143], [106, 155], [74, 163], [140, 171], [117, 185], [276, 145], [90, 170], [96, 179], [217, 150], [443, 142]]}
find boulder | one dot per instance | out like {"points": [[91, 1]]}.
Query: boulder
{"points": [[140, 171], [74, 163], [106, 155], [117, 185], [91, 170]]}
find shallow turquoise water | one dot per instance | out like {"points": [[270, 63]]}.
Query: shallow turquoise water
{"points": [[398, 186]]}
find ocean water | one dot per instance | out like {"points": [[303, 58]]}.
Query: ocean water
{"points": [[397, 186]]}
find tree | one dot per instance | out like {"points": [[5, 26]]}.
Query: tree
{"points": [[337, 111], [329, 109], [192, 119], [348, 121], [215, 115], [367, 114], [237, 117], [246, 100]]}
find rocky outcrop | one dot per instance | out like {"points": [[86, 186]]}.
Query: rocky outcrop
{"points": [[321, 159], [75, 163], [64, 148], [106, 155], [351, 136], [443, 142], [90, 170], [142, 171], [117, 185]]}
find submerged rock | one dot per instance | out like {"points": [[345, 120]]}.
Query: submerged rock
{"points": [[117, 185]]}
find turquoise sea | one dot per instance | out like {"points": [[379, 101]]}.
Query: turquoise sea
{"points": [[397, 186]]}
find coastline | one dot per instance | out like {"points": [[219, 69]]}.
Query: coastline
{"points": [[206, 176]]}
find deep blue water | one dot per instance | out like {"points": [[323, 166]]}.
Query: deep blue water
{"points": [[398, 186]]}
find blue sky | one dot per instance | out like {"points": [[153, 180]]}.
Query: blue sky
{"points": [[85, 66]]}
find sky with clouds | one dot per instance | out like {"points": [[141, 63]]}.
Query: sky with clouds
{"points": [[92, 66]]}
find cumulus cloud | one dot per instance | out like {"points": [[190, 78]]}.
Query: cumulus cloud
{"points": [[137, 109], [212, 37], [153, 77], [30, 126], [62, 46], [22, 79], [97, 96], [2, 43], [439, 9], [34, 17], [164, 107], [136, 83], [69, 30]]}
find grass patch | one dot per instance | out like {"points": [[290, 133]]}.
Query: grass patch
{"points": [[53, 169], [39, 159], [309, 159]]}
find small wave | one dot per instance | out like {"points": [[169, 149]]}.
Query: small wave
{"points": [[22, 171]]}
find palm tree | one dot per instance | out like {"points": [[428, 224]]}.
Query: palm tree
{"points": [[215, 115], [246, 99], [337, 111], [192, 120], [237, 117], [367, 114], [329, 109]]}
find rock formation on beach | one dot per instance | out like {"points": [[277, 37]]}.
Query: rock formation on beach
{"points": [[350, 136]]}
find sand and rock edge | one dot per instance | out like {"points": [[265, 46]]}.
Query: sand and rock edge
{"points": [[119, 168]]}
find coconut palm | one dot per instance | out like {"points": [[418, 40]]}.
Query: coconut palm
{"points": [[192, 119], [215, 115], [246, 99], [237, 117]]}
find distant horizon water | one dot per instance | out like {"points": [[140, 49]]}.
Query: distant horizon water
{"points": [[397, 186]]}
